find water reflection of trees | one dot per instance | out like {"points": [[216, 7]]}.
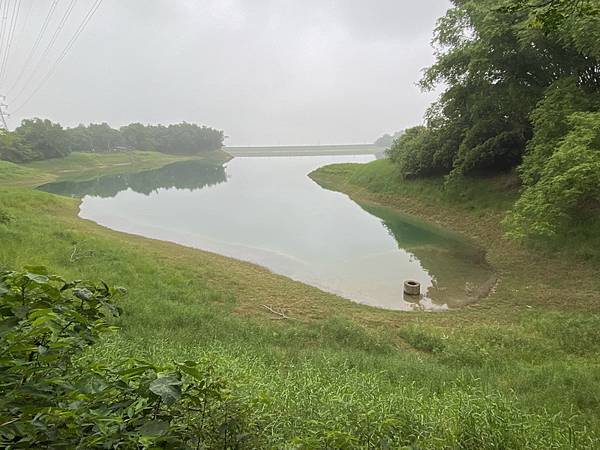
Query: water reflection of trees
{"points": [[180, 175], [459, 269]]}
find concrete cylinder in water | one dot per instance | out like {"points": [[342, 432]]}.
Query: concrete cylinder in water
{"points": [[412, 287]]}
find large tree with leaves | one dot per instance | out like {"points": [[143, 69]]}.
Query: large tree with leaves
{"points": [[497, 64], [522, 87], [43, 138], [497, 59]]}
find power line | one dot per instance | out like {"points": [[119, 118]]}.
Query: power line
{"points": [[60, 26], [64, 53], [35, 45], [11, 36], [5, 8], [21, 29]]}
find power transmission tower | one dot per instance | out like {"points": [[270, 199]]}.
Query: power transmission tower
{"points": [[3, 114]]}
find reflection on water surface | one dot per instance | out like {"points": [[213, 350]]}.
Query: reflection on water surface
{"points": [[266, 210]]}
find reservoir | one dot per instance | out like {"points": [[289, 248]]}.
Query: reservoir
{"points": [[266, 210]]}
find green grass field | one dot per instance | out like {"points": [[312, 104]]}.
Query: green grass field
{"points": [[84, 166], [518, 370]]}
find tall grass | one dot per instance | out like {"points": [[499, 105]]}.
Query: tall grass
{"points": [[337, 375]]}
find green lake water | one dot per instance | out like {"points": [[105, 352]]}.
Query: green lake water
{"points": [[266, 210]]}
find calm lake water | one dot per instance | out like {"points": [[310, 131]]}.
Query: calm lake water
{"points": [[266, 210]]}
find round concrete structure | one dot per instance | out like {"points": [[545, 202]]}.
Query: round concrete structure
{"points": [[412, 287]]}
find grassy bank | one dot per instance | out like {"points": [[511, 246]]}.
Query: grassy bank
{"points": [[540, 277], [84, 166], [520, 369]]}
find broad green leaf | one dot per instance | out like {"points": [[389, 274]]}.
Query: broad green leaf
{"points": [[8, 324], [56, 278], [135, 371], [21, 311], [37, 313], [191, 370], [154, 428], [39, 270], [69, 285], [93, 385], [168, 388], [36, 278], [83, 294]]}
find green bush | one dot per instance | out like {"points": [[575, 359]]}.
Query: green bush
{"points": [[51, 400], [568, 188], [550, 121], [416, 152]]}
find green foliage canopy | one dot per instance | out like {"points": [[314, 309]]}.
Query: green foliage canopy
{"points": [[496, 61], [416, 152], [522, 84], [37, 139], [182, 138], [568, 187], [387, 139], [34, 139]]}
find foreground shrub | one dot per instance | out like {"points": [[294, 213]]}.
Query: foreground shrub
{"points": [[48, 400]]}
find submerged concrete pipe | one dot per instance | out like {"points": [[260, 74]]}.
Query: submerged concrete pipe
{"points": [[412, 287]]}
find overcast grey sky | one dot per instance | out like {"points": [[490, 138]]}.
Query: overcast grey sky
{"points": [[265, 71]]}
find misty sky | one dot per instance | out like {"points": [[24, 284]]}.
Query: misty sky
{"points": [[265, 71]]}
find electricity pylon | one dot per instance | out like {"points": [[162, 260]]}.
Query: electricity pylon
{"points": [[3, 114]]}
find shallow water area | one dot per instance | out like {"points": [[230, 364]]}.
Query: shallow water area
{"points": [[266, 210]]}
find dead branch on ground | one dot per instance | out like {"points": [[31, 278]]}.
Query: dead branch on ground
{"points": [[281, 314]]}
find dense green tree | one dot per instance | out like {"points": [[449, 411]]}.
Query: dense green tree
{"points": [[186, 138], [387, 139], [103, 137], [561, 167], [567, 189], [573, 23], [551, 123], [414, 151], [42, 139], [182, 138], [521, 83], [13, 149], [138, 136], [496, 60], [78, 139], [496, 68]]}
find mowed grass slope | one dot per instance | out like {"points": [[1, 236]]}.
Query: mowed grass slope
{"points": [[84, 166], [518, 370], [19, 175]]}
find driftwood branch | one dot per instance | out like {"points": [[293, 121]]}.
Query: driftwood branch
{"points": [[278, 313], [75, 257], [10, 421]]}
